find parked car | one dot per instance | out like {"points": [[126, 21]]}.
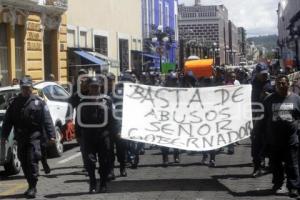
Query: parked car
{"points": [[56, 98], [8, 152]]}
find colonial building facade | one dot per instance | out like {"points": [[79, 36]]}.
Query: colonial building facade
{"points": [[233, 53], [103, 34], [289, 32], [207, 32], [242, 35], [208, 26], [161, 14], [33, 39]]}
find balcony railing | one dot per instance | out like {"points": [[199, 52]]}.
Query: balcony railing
{"points": [[21, 3], [62, 4]]}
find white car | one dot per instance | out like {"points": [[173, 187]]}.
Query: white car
{"points": [[56, 98]]}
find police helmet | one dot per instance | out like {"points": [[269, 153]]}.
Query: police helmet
{"points": [[26, 82], [127, 78], [110, 76]]}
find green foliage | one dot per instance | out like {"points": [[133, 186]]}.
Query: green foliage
{"points": [[268, 41]]}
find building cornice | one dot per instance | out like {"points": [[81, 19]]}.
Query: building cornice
{"points": [[52, 7]]}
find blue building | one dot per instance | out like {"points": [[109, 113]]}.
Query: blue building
{"points": [[159, 15]]}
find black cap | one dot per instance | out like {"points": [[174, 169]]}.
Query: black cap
{"points": [[26, 82]]}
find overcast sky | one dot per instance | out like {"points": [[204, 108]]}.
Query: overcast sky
{"points": [[257, 16]]}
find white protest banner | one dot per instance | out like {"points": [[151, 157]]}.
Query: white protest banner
{"points": [[196, 119]]}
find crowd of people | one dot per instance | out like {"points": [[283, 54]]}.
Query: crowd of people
{"points": [[274, 135]]}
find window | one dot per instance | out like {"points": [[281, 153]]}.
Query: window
{"points": [[19, 35], [101, 44], [83, 39], [124, 54], [167, 14], [71, 38], [145, 18], [151, 12], [160, 11], [3, 54], [55, 93], [134, 44]]}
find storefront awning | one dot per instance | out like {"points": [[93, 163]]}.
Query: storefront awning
{"points": [[146, 54], [110, 61], [90, 57]]}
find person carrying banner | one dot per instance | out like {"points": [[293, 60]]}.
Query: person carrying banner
{"points": [[133, 148], [171, 81], [280, 125], [231, 80]]}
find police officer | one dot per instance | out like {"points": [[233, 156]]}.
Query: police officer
{"points": [[96, 122], [115, 138], [29, 116], [74, 101]]}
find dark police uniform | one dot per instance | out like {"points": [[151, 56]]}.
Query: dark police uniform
{"points": [[30, 117], [96, 140], [115, 139], [74, 101]]}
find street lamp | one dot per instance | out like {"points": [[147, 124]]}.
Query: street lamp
{"points": [[214, 52], [160, 38]]}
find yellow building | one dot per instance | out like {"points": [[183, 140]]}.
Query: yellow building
{"points": [[33, 39], [107, 29]]}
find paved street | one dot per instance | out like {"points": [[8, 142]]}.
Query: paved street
{"points": [[188, 180]]}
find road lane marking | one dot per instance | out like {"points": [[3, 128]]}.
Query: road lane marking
{"points": [[69, 158], [14, 188]]}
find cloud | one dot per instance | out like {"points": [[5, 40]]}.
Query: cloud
{"points": [[257, 16]]}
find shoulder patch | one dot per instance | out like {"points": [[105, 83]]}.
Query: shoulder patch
{"points": [[46, 108], [36, 102]]}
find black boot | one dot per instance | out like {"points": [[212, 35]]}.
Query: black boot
{"points": [[176, 158], [135, 162], [93, 186], [31, 192], [165, 160], [111, 176], [46, 167], [103, 187], [123, 172]]}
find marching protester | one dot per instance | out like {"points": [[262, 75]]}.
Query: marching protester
{"points": [[115, 138], [171, 81], [261, 87], [231, 80], [133, 148], [29, 116], [96, 124], [280, 128]]}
